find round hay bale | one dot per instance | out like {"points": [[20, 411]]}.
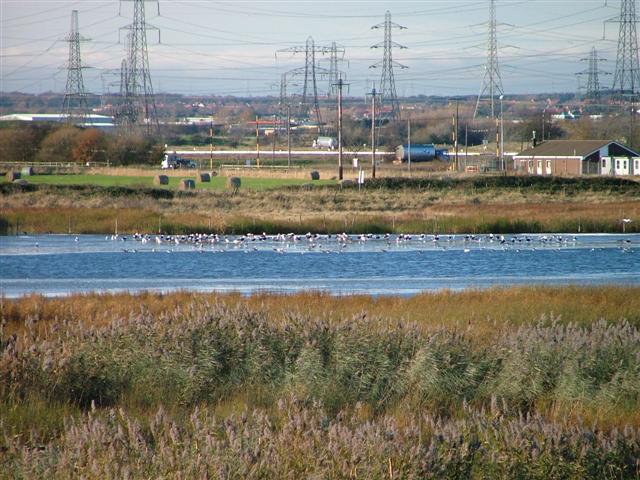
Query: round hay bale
{"points": [[234, 183], [161, 180], [315, 175], [26, 171], [11, 176], [187, 184], [21, 181], [205, 177], [347, 183]]}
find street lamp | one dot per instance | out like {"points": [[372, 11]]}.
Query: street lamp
{"points": [[501, 135]]}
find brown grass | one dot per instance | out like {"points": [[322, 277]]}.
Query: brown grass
{"points": [[481, 312]]}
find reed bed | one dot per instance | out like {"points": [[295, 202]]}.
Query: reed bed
{"points": [[443, 219], [190, 385]]}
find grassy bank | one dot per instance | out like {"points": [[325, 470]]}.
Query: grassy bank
{"points": [[146, 181], [515, 383], [465, 205]]}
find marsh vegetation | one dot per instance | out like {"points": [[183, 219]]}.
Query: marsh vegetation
{"points": [[503, 383]]}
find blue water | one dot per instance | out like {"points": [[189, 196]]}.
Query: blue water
{"points": [[62, 264]]}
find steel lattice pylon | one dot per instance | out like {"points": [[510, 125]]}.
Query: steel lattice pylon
{"points": [[74, 104], [336, 55], [593, 75], [388, 95], [309, 104], [492, 81], [626, 79], [139, 106]]}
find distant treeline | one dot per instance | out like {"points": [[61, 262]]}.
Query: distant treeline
{"points": [[64, 143]]}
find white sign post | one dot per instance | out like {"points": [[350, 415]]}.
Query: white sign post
{"points": [[360, 179]]}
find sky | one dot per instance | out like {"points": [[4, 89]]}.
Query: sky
{"points": [[209, 47]]}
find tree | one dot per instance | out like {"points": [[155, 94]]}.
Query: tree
{"points": [[20, 143], [89, 147], [134, 149], [57, 145]]}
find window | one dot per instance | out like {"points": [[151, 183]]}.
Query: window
{"points": [[617, 164], [604, 163], [624, 165]]}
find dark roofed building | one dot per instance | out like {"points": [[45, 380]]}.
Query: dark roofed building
{"points": [[578, 157]]}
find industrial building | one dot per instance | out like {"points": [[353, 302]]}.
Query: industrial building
{"points": [[102, 122], [578, 157]]}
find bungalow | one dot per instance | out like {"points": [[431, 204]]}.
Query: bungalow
{"points": [[578, 157]]}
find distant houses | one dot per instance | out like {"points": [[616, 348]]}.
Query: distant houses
{"points": [[578, 157]]}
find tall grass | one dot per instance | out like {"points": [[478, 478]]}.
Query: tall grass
{"points": [[462, 207], [441, 385], [301, 441]]}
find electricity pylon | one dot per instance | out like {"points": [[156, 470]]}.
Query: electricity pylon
{"points": [[336, 55], [626, 80], [74, 104], [387, 91], [492, 81], [139, 106], [593, 75], [309, 104]]}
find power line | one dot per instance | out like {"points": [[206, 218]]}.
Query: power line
{"points": [[626, 80], [492, 81], [593, 75], [308, 105], [387, 92], [139, 106], [74, 104]]}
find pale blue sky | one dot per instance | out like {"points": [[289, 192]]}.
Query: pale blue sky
{"points": [[214, 47]]}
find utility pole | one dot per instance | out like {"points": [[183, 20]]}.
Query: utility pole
{"points": [[388, 93], [632, 124], [502, 166], [466, 144], [373, 94], [455, 137], [409, 144], [211, 143], [340, 84], [288, 135], [75, 99], [275, 137], [257, 143], [497, 138], [492, 81]]}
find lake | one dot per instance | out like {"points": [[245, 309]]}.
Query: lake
{"points": [[55, 265]]}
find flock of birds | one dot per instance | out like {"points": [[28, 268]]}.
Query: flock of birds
{"points": [[337, 243]]}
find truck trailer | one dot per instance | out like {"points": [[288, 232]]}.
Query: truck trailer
{"points": [[329, 143]]}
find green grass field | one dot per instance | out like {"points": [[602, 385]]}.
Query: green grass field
{"points": [[217, 183]]}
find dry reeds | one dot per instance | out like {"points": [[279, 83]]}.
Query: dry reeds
{"points": [[470, 382]]}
